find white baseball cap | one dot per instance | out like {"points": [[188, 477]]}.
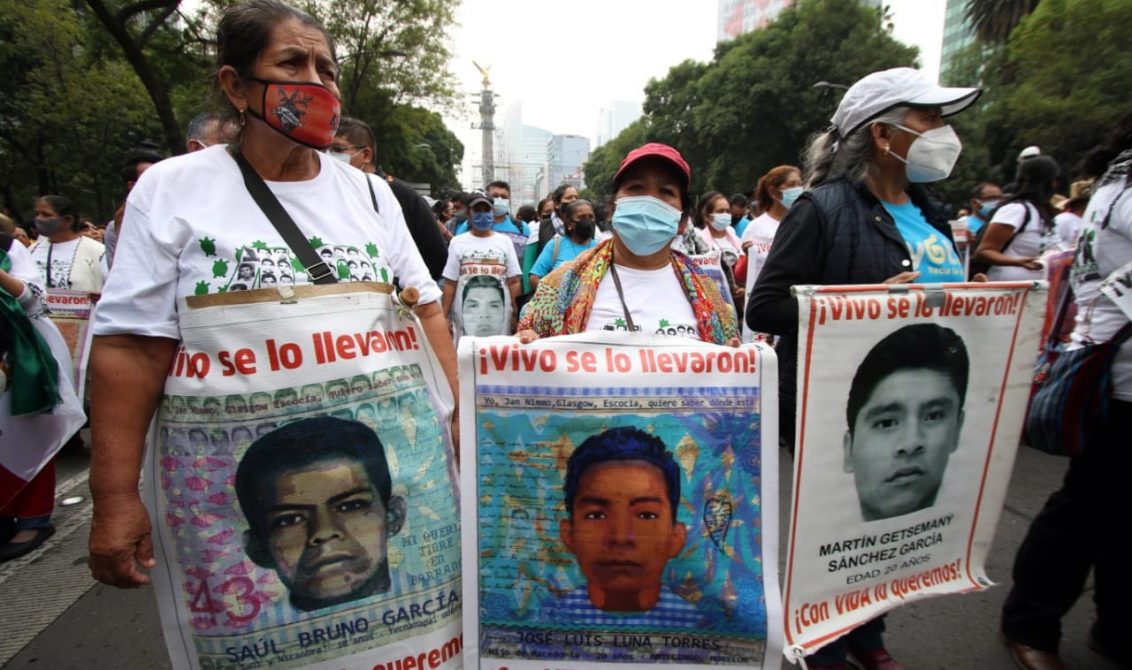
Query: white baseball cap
{"points": [[1029, 152], [882, 91]]}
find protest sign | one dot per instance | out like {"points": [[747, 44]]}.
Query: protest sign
{"points": [[480, 267], [1058, 265], [910, 408], [666, 551], [303, 486], [70, 312]]}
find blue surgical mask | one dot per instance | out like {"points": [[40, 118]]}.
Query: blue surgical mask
{"points": [[501, 206], [789, 195], [721, 221], [645, 224], [339, 155], [482, 220], [987, 209]]}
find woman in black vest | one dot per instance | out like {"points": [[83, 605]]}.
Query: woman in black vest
{"points": [[864, 219]]}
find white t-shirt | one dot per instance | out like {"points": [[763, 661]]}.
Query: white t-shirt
{"points": [[75, 264], [480, 308], [1099, 253], [192, 228], [24, 269], [656, 299], [1067, 225], [761, 232], [1030, 243]]}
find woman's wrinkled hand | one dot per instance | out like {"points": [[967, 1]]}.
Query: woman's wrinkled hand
{"points": [[121, 543], [903, 278]]}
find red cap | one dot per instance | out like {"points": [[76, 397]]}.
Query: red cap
{"points": [[659, 151]]}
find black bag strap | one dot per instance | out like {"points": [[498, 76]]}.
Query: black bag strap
{"points": [[318, 271], [372, 195]]}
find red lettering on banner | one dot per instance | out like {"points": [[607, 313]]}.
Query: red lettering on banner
{"points": [[430, 659]]}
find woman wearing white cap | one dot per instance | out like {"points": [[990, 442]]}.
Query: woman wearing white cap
{"points": [[866, 219]]}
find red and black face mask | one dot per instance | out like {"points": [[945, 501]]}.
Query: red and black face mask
{"points": [[304, 112]]}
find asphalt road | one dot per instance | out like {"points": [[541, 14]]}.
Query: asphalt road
{"points": [[54, 617]]}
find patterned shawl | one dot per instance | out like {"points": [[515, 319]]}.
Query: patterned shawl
{"points": [[565, 297]]}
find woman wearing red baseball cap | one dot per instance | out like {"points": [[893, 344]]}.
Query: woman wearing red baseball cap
{"points": [[635, 281]]}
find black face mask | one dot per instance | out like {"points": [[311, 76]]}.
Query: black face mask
{"points": [[584, 229]]}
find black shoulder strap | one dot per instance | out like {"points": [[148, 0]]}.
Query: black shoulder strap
{"points": [[372, 195], [318, 271], [6, 242]]}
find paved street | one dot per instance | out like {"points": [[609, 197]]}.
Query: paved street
{"points": [[55, 618]]}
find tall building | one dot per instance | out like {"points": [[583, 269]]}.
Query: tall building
{"points": [[614, 117], [957, 35], [737, 17], [565, 156], [520, 155]]}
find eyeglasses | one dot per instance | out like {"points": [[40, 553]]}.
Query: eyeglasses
{"points": [[345, 148]]}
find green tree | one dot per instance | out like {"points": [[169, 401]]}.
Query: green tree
{"points": [[396, 46], [1065, 103], [64, 112], [754, 105], [994, 20], [142, 28]]}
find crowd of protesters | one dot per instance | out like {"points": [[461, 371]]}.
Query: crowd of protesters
{"points": [[652, 258]]}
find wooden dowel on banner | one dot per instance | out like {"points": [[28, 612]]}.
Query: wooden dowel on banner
{"points": [[410, 296]]}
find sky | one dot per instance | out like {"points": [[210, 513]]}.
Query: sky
{"points": [[564, 61]]}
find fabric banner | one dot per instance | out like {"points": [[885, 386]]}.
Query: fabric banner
{"points": [[619, 510], [711, 264], [28, 442], [910, 407], [71, 312], [303, 486], [482, 305], [1057, 267]]}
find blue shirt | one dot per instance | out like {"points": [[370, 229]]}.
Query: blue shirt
{"points": [[933, 255], [741, 225], [568, 250], [974, 223]]}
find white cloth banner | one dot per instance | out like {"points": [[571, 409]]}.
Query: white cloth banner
{"points": [[910, 408], [303, 486], [619, 501], [71, 312]]}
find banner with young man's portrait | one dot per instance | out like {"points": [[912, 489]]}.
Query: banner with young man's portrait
{"points": [[303, 486], [910, 407], [619, 503]]}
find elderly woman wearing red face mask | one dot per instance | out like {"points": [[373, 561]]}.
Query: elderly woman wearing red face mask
{"points": [[195, 228]]}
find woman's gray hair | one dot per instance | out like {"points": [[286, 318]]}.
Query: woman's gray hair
{"points": [[827, 158]]}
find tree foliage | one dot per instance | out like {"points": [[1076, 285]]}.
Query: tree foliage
{"points": [[63, 109], [994, 20], [754, 105], [1059, 83], [84, 81]]}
